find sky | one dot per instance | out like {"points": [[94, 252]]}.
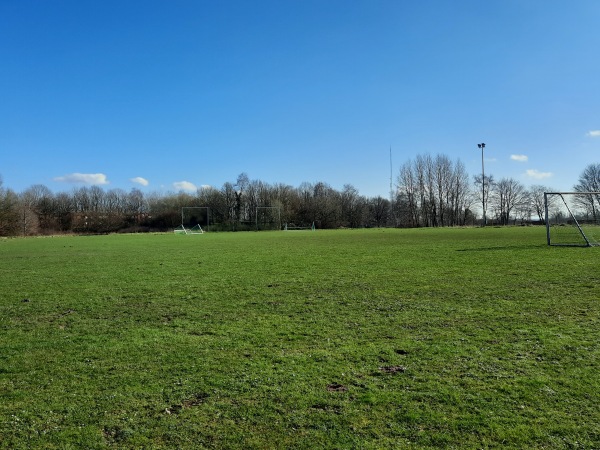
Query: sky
{"points": [[165, 96]]}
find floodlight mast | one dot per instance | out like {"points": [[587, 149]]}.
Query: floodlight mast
{"points": [[391, 192], [484, 221]]}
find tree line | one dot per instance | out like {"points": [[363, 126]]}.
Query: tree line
{"points": [[431, 191], [435, 191], [233, 207]]}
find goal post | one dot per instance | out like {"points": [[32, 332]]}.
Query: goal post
{"points": [[180, 230], [196, 229], [194, 217], [268, 218], [292, 226], [572, 218]]}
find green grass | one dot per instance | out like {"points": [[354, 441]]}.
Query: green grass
{"points": [[426, 338]]}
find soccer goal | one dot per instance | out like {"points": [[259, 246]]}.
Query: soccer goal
{"points": [[572, 218], [196, 229], [195, 218], [268, 218], [293, 227]]}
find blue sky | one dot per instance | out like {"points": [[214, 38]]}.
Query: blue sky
{"points": [[168, 95]]}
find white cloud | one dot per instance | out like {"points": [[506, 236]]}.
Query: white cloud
{"points": [[83, 178], [520, 158], [593, 133], [185, 186], [140, 180], [536, 174]]}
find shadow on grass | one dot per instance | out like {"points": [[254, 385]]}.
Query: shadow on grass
{"points": [[503, 247]]}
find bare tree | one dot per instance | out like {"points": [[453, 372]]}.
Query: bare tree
{"points": [[408, 190], [35, 203], [326, 206], [443, 182], [241, 186], [379, 211], [9, 214], [230, 199], [136, 206], [164, 211], [252, 200], [352, 207], [461, 196], [35, 209], [589, 181], [63, 208], [114, 210], [536, 198], [430, 206], [305, 214], [81, 200], [286, 198], [432, 192], [508, 195]]}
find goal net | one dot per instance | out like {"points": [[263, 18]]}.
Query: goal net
{"points": [[572, 218], [195, 218], [268, 218], [293, 226]]}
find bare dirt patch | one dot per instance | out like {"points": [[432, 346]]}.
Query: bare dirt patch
{"points": [[392, 369]]}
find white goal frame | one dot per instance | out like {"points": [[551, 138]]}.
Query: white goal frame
{"points": [[196, 229], [293, 227], [206, 225], [582, 232]]}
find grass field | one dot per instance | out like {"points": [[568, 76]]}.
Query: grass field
{"points": [[426, 338]]}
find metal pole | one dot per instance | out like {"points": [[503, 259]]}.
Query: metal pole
{"points": [[546, 216], [482, 146], [391, 192]]}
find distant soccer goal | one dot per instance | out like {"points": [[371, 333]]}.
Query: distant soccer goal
{"points": [[195, 216], [268, 218], [292, 227], [196, 229], [572, 218]]}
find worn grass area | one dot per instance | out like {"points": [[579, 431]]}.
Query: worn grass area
{"points": [[448, 338]]}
